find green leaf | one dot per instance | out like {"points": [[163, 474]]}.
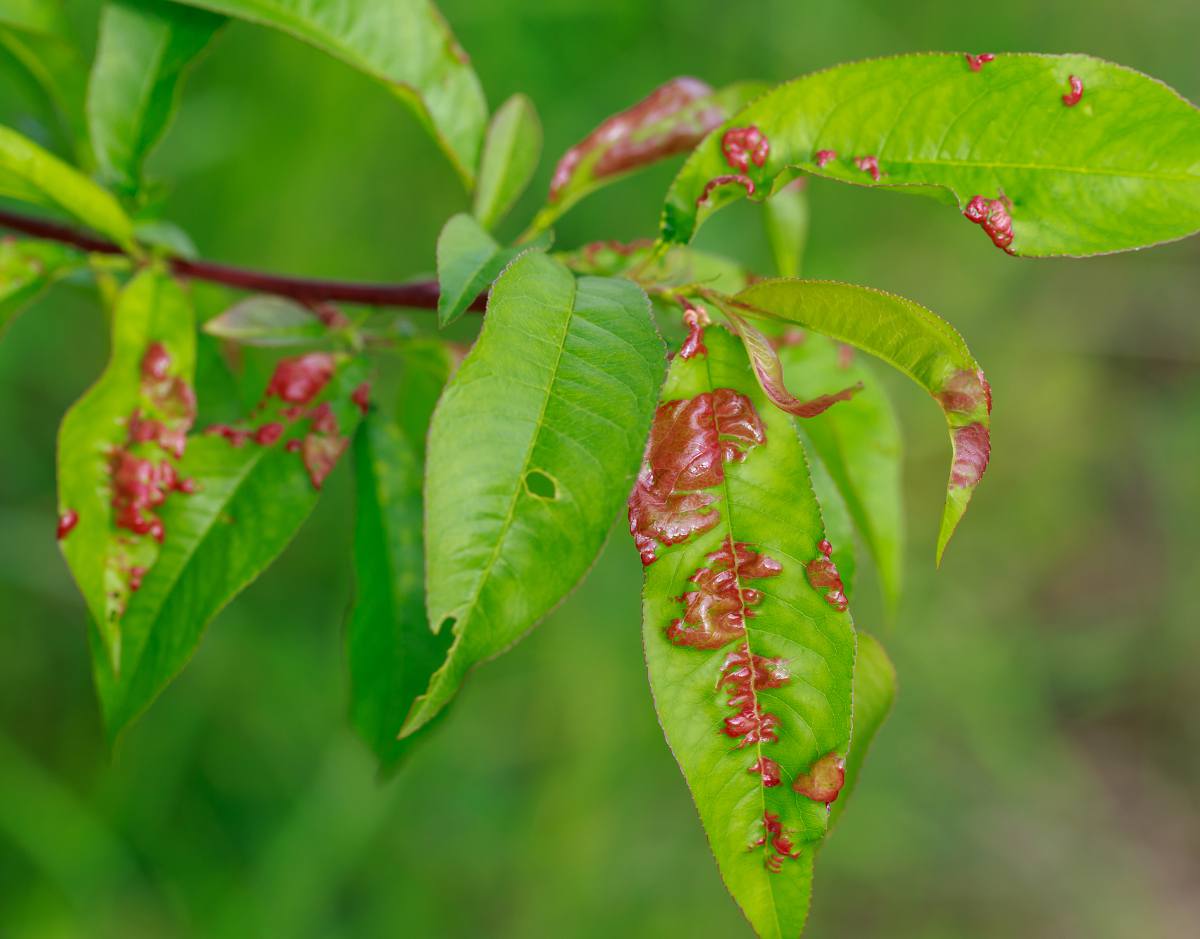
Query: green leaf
{"points": [[676, 266], [749, 648], [31, 174], [1118, 170], [468, 260], [914, 340], [38, 36], [26, 268], [785, 216], [426, 366], [874, 693], [143, 50], [532, 450], [859, 444], [670, 120], [405, 44], [839, 526], [152, 319], [266, 320], [510, 155], [391, 649]]}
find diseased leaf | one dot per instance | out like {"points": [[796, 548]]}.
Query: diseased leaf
{"points": [[405, 44], [26, 268], [31, 174], [670, 120], [266, 320], [468, 260], [141, 55], [914, 340], [839, 527], [859, 444], [532, 449], [749, 648], [785, 216], [391, 649], [1117, 169], [510, 155], [676, 266], [874, 693]]}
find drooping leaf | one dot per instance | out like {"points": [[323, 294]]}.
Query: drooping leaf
{"points": [[158, 543], [1118, 169], [749, 648], [26, 268], [266, 320], [405, 44], [36, 34], [31, 174], [532, 450], [785, 216], [510, 155], [859, 444], [143, 50], [914, 340], [391, 649], [670, 120], [468, 260], [874, 693]]}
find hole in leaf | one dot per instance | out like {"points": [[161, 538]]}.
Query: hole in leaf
{"points": [[447, 625], [541, 485]]}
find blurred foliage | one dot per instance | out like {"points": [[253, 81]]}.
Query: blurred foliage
{"points": [[1041, 773]]}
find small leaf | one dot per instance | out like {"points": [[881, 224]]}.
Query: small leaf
{"points": [[143, 50], [167, 237], [910, 338], [405, 44], [749, 648], [26, 268], [392, 651], [1118, 170], [510, 155], [31, 174], [859, 444], [468, 260], [266, 320], [874, 693], [678, 265], [785, 216], [670, 120], [562, 383]]}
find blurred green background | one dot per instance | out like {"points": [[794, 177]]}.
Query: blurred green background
{"points": [[1041, 773]]}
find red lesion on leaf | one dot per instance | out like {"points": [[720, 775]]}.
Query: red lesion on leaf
{"points": [[769, 770], [824, 577], [727, 179], [869, 164], [618, 136], [775, 842], [977, 62], [716, 611], [1074, 96], [268, 433], [964, 392], [695, 318], [972, 450], [824, 779], [298, 380], [993, 216], [743, 146], [361, 396], [67, 522], [823, 157], [743, 675], [690, 441], [321, 453]]}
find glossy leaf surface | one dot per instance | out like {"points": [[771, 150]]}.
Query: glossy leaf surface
{"points": [[468, 260], [143, 50], [859, 444], [406, 44], [749, 648], [915, 341], [31, 174], [510, 155], [1119, 169], [26, 268], [874, 694], [532, 451]]}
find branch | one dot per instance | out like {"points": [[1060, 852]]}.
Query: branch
{"points": [[421, 294]]}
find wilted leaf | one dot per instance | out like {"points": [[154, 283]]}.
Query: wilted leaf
{"points": [[1119, 169], [532, 450], [749, 648], [510, 155]]}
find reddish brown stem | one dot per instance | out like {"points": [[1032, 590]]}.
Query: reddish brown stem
{"points": [[421, 294]]}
